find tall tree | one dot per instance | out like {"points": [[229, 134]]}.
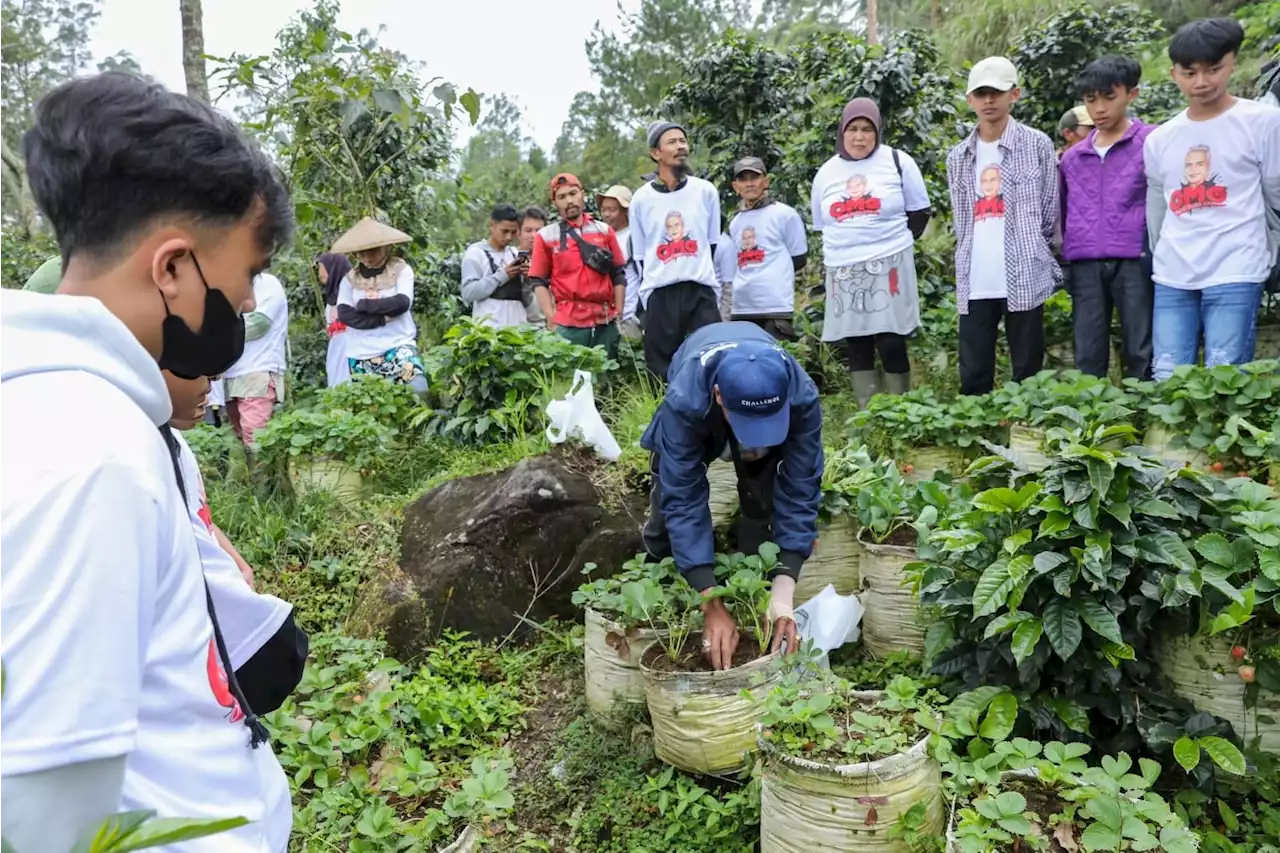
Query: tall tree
{"points": [[193, 49], [42, 44]]}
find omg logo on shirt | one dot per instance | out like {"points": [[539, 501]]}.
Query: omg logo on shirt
{"points": [[677, 245], [859, 202]]}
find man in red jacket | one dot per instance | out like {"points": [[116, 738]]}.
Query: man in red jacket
{"points": [[577, 271]]}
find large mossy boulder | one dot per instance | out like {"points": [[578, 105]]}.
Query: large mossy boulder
{"points": [[479, 553]]}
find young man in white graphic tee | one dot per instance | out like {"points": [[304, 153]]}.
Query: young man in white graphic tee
{"points": [[767, 249], [119, 690], [675, 223], [1213, 170]]}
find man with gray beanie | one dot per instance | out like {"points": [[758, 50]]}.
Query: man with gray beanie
{"points": [[675, 223]]}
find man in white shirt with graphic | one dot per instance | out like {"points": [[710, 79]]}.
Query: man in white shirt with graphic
{"points": [[1213, 171], [767, 249], [119, 689], [675, 223]]}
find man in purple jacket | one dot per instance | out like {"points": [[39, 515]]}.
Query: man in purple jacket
{"points": [[1104, 189]]}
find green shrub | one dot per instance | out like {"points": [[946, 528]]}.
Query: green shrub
{"points": [[1033, 400], [894, 424], [357, 440], [391, 404]]}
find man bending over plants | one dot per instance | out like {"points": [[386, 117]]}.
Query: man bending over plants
{"points": [[735, 394]]}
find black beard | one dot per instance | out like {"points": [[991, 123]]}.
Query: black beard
{"points": [[681, 169]]}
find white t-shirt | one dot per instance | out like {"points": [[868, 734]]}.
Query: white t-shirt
{"points": [[1212, 174], [367, 343], [247, 618], [672, 234], [107, 644], [267, 353], [1102, 149], [987, 264], [762, 243], [860, 206]]}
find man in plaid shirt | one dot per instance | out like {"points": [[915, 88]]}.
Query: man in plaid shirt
{"points": [[1004, 198]]}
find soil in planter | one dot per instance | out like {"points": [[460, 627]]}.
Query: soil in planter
{"points": [[1043, 803], [904, 537], [835, 754], [693, 659]]}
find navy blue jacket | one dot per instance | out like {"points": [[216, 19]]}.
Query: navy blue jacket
{"points": [[689, 432]]}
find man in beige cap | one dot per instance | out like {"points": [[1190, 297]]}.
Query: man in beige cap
{"points": [[614, 205], [1004, 195], [1074, 126]]}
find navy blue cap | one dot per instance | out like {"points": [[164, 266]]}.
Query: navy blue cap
{"points": [[755, 390]]}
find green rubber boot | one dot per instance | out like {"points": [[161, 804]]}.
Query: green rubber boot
{"points": [[897, 383], [866, 384]]}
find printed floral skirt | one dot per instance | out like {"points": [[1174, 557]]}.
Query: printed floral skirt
{"points": [[400, 364]]}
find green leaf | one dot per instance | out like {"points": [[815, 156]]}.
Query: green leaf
{"points": [[1215, 548], [1011, 803], [1025, 639], [1187, 753], [1099, 837], [1000, 500], [1001, 716], [1216, 577], [993, 588], [1157, 508], [1167, 549], [1178, 839], [1100, 476], [1096, 615], [1062, 626], [1224, 754], [1004, 622], [173, 830]]}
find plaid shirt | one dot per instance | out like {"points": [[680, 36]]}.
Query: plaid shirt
{"points": [[1029, 184]]}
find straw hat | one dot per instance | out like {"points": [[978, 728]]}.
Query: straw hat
{"points": [[368, 233]]}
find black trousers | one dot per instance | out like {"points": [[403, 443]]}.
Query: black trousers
{"points": [[782, 328], [755, 505], [671, 315], [1097, 288], [1024, 331], [860, 352]]}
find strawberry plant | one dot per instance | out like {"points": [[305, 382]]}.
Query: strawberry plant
{"points": [[893, 424], [1033, 400]]}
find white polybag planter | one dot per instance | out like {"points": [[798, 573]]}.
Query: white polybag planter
{"points": [[702, 721], [814, 807], [1027, 443], [722, 478], [321, 474], [611, 656], [1202, 671], [1162, 440], [835, 560], [892, 619]]}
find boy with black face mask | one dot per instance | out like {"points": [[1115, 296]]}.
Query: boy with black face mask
{"points": [[119, 692]]}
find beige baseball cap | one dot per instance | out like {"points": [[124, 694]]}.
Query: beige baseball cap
{"points": [[617, 192], [994, 72]]}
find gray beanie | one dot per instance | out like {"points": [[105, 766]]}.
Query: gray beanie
{"points": [[660, 127]]}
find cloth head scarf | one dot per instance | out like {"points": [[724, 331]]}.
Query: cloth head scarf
{"points": [[337, 266], [857, 108]]}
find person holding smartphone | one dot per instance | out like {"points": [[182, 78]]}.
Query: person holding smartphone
{"points": [[492, 272]]}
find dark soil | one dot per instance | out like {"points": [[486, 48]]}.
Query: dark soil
{"points": [[1043, 803], [693, 659], [903, 536]]}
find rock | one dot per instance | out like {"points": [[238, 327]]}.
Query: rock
{"points": [[479, 552]]}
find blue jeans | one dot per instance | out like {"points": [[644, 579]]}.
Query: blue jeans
{"points": [[1226, 313]]}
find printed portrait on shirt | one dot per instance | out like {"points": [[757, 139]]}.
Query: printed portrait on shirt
{"points": [[749, 251], [991, 201], [677, 245], [858, 200], [221, 685], [1199, 185]]}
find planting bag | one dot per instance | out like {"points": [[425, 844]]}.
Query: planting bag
{"points": [[1162, 440], [722, 478], [1025, 443], [1201, 670], [892, 620], [702, 721], [812, 807], [927, 461], [612, 658], [325, 475], [576, 416], [829, 620], [834, 561]]}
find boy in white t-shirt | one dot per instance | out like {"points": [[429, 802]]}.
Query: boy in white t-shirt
{"points": [[119, 691], [1212, 172], [675, 223], [767, 248]]}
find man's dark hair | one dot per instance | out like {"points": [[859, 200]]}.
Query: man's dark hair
{"points": [[504, 213], [1103, 75], [1069, 120], [111, 154], [533, 212], [1206, 40]]}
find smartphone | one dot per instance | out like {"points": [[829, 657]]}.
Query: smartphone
{"points": [[521, 257]]}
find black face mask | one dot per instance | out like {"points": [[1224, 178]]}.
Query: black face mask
{"points": [[209, 352]]}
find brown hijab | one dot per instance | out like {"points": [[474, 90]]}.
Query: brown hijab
{"points": [[857, 108]]}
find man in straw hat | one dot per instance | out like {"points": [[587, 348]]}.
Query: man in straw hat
{"points": [[373, 303]]}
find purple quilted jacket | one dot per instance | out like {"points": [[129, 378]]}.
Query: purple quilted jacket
{"points": [[1104, 199]]}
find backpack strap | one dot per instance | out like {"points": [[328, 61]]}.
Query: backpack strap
{"points": [[897, 163]]}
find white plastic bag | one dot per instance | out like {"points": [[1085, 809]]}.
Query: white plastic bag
{"points": [[576, 416], [829, 619]]}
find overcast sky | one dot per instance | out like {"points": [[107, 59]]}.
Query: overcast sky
{"points": [[530, 50]]}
